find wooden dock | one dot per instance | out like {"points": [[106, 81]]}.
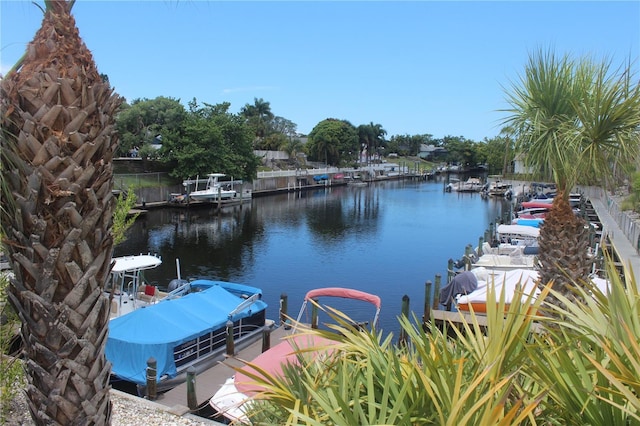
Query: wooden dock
{"points": [[209, 381]]}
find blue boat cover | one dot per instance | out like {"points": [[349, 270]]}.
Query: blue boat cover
{"points": [[155, 330], [530, 222]]}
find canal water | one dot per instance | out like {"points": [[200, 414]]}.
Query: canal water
{"points": [[387, 238]]}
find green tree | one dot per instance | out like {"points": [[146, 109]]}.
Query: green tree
{"points": [[212, 140], [461, 151], [408, 145], [57, 226], [496, 152], [292, 147], [141, 122], [574, 119], [258, 117], [333, 141], [371, 138]]}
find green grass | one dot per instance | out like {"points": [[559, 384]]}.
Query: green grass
{"points": [[151, 180]]}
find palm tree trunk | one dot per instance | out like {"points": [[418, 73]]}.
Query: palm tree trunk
{"points": [[58, 141], [564, 244]]}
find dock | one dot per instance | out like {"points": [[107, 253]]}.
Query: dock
{"points": [[623, 248], [209, 381]]}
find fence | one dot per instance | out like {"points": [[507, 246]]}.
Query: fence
{"points": [[627, 221]]}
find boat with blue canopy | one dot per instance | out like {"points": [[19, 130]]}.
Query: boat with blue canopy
{"points": [[183, 332]]}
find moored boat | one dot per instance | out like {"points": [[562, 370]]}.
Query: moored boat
{"points": [[472, 184], [214, 189], [515, 282], [128, 289], [183, 332], [521, 283], [499, 189], [234, 397]]}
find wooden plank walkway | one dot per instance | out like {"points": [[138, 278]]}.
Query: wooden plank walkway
{"points": [[621, 244], [209, 381]]}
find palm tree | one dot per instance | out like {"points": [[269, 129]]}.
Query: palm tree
{"points": [[292, 147], [259, 115], [365, 139], [573, 120], [378, 136], [58, 124]]}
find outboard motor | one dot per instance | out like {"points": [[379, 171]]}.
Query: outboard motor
{"points": [[176, 283]]}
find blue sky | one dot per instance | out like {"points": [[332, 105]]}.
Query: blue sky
{"points": [[418, 67]]}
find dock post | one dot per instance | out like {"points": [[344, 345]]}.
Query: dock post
{"points": [[468, 252], [230, 344], [192, 399], [450, 272], [283, 309], [152, 371], [314, 315], [436, 292], [427, 302], [405, 313], [480, 242], [266, 339]]}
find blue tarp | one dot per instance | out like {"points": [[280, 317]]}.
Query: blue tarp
{"points": [[154, 331]]}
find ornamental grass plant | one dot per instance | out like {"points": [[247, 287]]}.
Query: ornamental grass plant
{"points": [[532, 364]]}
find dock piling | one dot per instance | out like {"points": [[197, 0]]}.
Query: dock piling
{"points": [[230, 343], [436, 292], [266, 339], [405, 313], [427, 302], [314, 316], [152, 371], [192, 399], [283, 309], [450, 271]]}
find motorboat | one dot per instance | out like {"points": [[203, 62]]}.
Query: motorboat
{"points": [[184, 332], [128, 289], [234, 397], [515, 258], [472, 184], [512, 283], [519, 235], [214, 189], [509, 282], [499, 189]]}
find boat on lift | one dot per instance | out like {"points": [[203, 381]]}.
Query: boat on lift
{"points": [[214, 189]]}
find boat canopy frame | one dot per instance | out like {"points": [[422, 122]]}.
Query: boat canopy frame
{"points": [[343, 293]]}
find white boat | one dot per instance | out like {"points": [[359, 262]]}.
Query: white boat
{"points": [[499, 189], [473, 184], [515, 258], [234, 397], [523, 282], [519, 235], [214, 189], [128, 289], [503, 281]]}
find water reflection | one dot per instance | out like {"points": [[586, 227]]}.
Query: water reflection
{"points": [[387, 238]]}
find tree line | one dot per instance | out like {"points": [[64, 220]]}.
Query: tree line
{"points": [[204, 137]]}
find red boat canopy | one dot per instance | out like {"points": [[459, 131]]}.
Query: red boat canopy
{"points": [[345, 293]]}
